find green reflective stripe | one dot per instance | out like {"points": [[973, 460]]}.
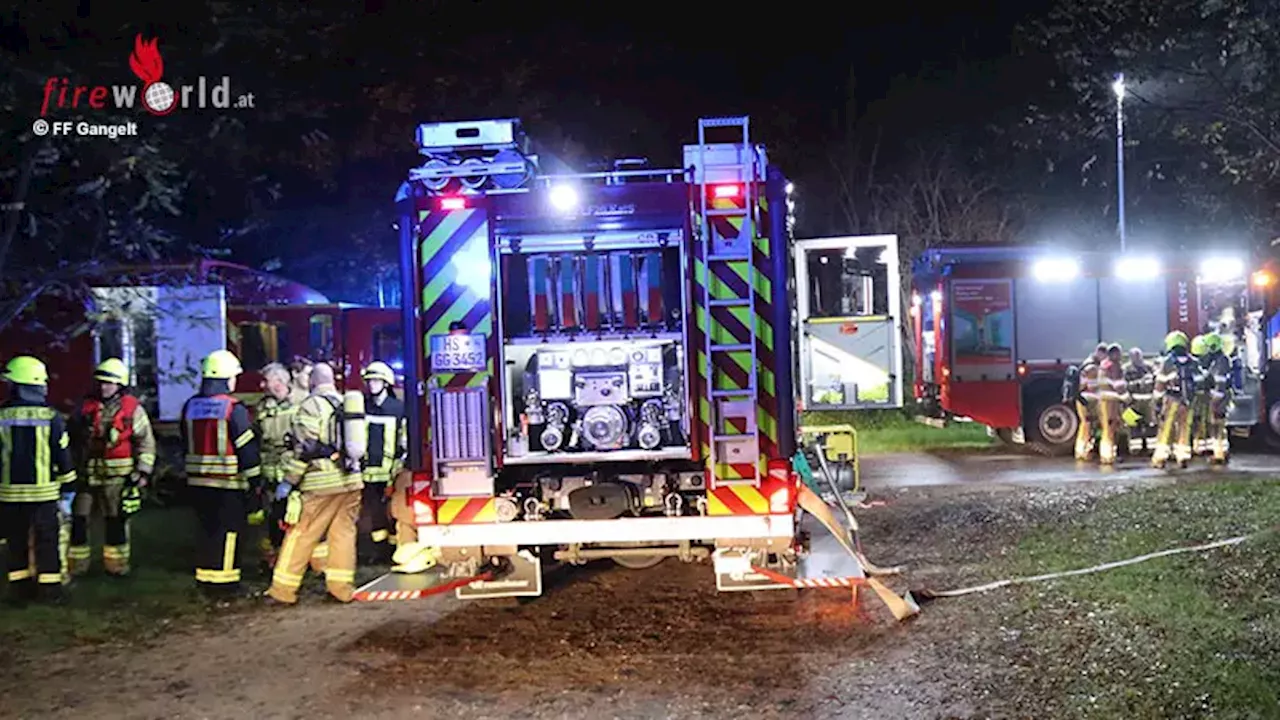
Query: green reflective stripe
{"points": [[220, 483], [6, 452], [30, 493], [295, 467], [244, 439], [44, 463], [252, 472], [66, 477]]}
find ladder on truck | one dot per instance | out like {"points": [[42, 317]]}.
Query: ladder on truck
{"points": [[735, 436]]}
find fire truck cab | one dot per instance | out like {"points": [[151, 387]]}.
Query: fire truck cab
{"points": [[600, 365], [996, 328]]}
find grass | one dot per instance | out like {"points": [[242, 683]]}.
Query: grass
{"points": [[159, 591], [1194, 635], [888, 431]]}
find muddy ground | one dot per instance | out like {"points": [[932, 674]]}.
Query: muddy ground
{"points": [[607, 642]]}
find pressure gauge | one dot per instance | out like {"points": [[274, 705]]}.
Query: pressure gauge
{"points": [[580, 358], [617, 356], [598, 357]]}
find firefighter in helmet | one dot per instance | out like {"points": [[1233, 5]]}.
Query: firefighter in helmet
{"points": [[1087, 401], [384, 414], [1173, 393], [321, 490], [1140, 377], [272, 417], [223, 470], [117, 450], [1199, 399], [1216, 370], [1113, 394], [37, 480]]}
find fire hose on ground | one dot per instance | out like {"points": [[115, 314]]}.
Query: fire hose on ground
{"points": [[910, 604]]}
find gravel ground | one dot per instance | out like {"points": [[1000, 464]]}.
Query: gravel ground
{"points": [[607, 642]]}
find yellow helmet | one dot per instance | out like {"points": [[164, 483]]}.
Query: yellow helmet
{"points": [[1197, 345], [1212, 343], [220, 365], [112, 370], [26, 370], [379, 370]]}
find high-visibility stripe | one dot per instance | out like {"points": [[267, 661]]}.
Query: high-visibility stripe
{"points": [[462, 511], [446, 296]]}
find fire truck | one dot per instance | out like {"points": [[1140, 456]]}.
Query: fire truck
{"points": [[601, 366], [162, 319], [996, 329]]}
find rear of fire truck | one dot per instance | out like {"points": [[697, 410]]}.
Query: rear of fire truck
{"points": [[600, 364]]}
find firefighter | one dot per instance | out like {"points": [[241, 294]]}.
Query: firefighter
{"points": [[1141, 379], [1174, 388], [118, 453], [384, 413], [1113, 393], [1199, 400], [1216, 369], [1087, 401], [223, 469], [37, 480], [273, 416], [299, 380], [322, 489]]}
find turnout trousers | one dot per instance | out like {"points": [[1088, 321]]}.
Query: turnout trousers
{"points": [[221, 514], [332, 515], [1216, 436], [1087, 411], [373, 512], [104, 499], [32, 531], [1174, 437], [1109, 430]]}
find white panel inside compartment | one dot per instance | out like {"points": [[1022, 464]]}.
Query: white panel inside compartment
{"points": [[1056, 320], [1135, 313]]}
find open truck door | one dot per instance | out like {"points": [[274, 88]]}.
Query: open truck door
{"points": [[161, 333], [848, 294]]}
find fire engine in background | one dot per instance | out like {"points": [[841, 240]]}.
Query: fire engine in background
{"points": [[996, 329], [161, 320], [601, 365]]}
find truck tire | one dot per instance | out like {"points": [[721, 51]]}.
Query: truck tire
{"points": [[1053, 426], [1271, 433]]}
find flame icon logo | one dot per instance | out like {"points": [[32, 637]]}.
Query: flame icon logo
{"points": [[146, 63]]}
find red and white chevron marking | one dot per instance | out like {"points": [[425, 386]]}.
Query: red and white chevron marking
{"points": [[825, 582], [390, 595]]}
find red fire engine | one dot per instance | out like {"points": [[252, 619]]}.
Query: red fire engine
{"points": [[600, 365], [996, 328], [162, 319]]}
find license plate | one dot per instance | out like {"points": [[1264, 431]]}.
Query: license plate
{"points": [[458, 353]]}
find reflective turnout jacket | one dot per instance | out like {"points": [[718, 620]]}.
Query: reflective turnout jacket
{"points": [[1176, 377], [1089, 370], [387, 438], [221, 448], [35, 453], [1141, 380], [1111, 382], [272, 421], [315, 460], [115, 438]]}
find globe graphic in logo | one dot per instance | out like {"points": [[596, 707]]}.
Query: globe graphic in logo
{"points": [[159, 98]]}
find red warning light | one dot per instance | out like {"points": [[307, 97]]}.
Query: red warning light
{"points": [[453, 203], [727, 191]]}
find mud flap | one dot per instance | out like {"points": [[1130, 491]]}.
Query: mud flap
{"points": [[522, 577]]}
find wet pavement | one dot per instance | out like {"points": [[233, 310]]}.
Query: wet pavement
{"points": [[881, 472]]}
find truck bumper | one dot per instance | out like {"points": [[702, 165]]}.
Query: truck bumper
{"points": [[629, 530]]}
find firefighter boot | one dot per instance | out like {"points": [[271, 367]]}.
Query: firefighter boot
{"points": [[79, 554]]}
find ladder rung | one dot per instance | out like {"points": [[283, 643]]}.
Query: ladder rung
{"points": [[731, 348], [723, 121], [736, 302], [728, 258], [726, 212], [742, 436], [734, 393]]}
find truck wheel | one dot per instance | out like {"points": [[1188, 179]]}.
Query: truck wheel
{"points": [[1053, 430], [638, 562], [1271, 434]]}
